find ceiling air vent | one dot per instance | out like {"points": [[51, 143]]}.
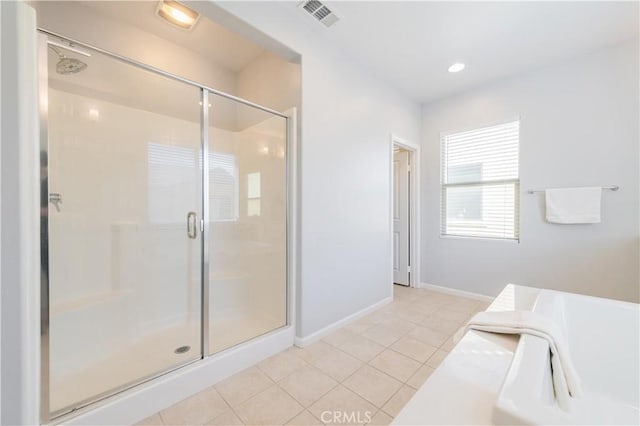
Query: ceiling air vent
{"points": [[320, 12]]}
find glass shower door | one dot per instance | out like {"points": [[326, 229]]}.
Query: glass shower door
{"points": [[124, 209], [247, 242]]}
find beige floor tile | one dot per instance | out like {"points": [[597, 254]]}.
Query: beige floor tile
{"points": [[362, 348], [305, 419], [447, 298], [373, 385], [154, 420], [381, 418], [399, 400], [307, 385], [339, 337], [312, 352], [403, 290], [242, 386], [429, 336], [483, 305], [383, 334], [403, 293], [440, 324], [448, 314], [195, 410], [430, 307], [270, 407], [412, 314], [380, 315], [426, 307], [281, 365], [229, 418], [395, 365], [420, 377], [463, 305], [414, 349], [437, 358], [448, 345], [425, 295], [361, 325], [398, 306], [403, 326], [342, 406], [337, 364]]}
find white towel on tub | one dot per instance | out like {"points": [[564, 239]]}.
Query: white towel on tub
{"points": [[566, 382], [573, 205]]}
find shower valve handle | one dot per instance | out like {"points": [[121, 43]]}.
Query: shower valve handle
{"points": [[55, 198], [192, 229]]}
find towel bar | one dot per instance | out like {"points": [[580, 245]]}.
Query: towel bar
{"points": [[611, 188]]}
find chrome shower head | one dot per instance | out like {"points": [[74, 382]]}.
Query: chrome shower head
{"points": [[68, 65]]}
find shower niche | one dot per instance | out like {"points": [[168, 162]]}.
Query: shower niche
{"points": [[164, 216]]}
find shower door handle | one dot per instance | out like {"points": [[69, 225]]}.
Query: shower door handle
{"points": [[192, 228]]}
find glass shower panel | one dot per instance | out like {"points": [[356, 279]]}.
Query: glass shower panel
{"points": [[124, 178], [247, 216]]}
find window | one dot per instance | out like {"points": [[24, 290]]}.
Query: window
{"points": [[253, 194], [223, 186], [480, 182], [171, 173]]}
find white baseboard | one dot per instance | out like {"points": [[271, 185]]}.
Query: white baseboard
{"points": [[456, 292], [313, 337], [147, 399]]}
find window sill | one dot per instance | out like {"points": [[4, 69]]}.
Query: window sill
{"points": [[461, 237]]}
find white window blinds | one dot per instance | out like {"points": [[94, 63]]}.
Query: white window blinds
{"points": [[480, 183], [223, 187], [171, 172]]}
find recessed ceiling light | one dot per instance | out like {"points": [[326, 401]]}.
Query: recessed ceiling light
{"points": [[177, 14], [457, 67]]}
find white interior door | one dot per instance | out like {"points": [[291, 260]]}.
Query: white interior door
{"points": [[401, 217]]}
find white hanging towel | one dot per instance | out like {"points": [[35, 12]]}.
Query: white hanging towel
{"points": [[573, 205], [565, 379]]}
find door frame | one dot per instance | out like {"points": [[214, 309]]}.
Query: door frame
{"points": [[414, 208]]}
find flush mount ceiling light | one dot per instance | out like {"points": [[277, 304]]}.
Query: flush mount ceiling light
{"points": [[177, 14], [457, 67]]}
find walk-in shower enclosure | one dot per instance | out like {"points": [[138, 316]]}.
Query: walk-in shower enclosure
{"points": [[164, 223]]}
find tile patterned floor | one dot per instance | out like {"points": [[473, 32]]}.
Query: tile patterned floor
{"points": [[363, 373]]}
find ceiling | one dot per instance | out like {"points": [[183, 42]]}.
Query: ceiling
{"points": [[411, 44], [207, 38]]}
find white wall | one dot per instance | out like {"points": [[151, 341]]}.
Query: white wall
{"points": [[20, 288], [579, 127], [270, 81], [347, 119]]}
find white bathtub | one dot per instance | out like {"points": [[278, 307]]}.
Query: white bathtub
{"points": [[477, 376], [603, 337]]}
